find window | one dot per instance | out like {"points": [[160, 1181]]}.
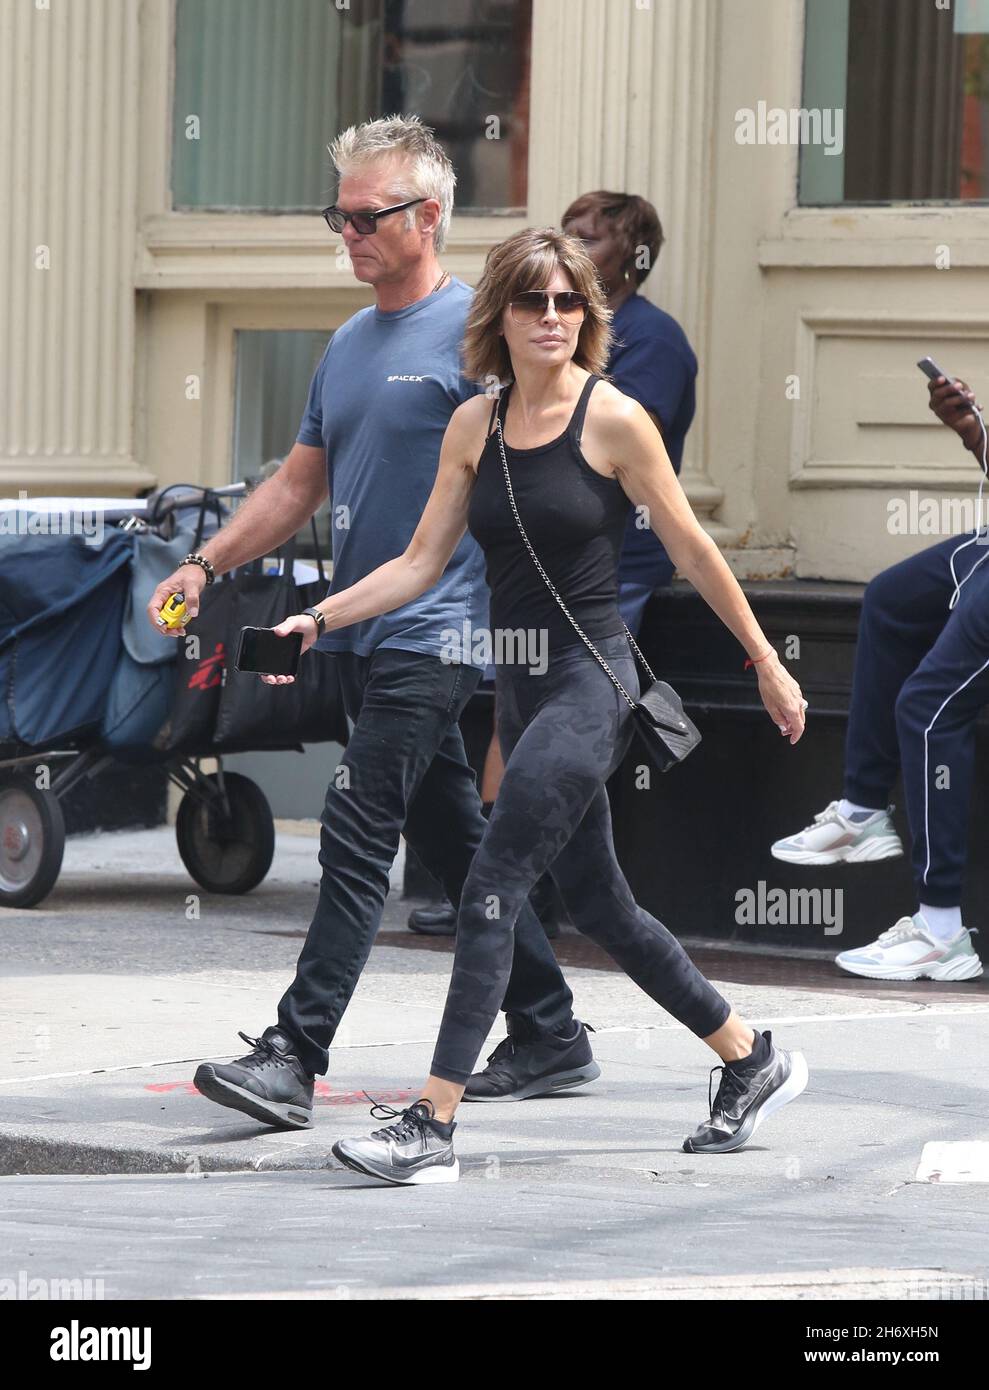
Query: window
{"points": [[262, 88], [273, 370], [911, 80]]}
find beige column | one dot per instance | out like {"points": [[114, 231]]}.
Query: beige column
{"points": [[622, 96], [68, 181]]}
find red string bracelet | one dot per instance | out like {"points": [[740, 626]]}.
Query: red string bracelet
{"points": [[754, 661]]}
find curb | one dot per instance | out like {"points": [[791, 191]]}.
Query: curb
{"points": [[28, 1155]]}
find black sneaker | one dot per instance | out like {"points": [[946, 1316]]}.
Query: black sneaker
{"points": [[269, 1084], [749, 1091], [523, 1066], [438, 919], [416, 1149]]}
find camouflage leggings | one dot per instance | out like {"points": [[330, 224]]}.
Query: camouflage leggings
{"points": [[562, 735]]}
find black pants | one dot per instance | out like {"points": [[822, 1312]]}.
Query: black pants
{"points": [[562, 734], [404, 766], [921, 678]]}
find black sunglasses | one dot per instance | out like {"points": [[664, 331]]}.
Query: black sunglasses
{"points": [[364, 223], [531, 306]]}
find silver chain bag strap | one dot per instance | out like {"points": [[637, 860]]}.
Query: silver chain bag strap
{"points": [[666, 731]]}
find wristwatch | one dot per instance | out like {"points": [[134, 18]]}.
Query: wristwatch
{"points": [[319, 617]]}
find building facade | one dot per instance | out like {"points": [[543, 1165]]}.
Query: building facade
{"points": [[168, 282]]}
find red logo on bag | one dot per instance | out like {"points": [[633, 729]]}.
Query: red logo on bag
{"points": [[209, 672]]}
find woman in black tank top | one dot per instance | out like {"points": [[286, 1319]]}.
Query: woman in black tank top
{"points": [[578, 454], [575, 520]]}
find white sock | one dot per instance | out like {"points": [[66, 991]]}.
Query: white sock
{"points": [[942, 922], [850, 811]]}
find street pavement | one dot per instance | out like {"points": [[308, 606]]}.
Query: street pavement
{"points": [[117, 1171]]}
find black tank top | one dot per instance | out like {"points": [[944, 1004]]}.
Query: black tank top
{"points": [[575, 519]]}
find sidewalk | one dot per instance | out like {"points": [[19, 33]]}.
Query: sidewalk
{"points": [[113, 995]]}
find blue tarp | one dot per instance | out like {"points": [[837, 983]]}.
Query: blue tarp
{"points": [[62, 603]]}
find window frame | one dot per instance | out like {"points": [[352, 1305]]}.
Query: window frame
{"points": [[169, 232]]}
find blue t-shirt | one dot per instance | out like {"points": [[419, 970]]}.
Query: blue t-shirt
{"points": [[652, 361], [379, 404]]}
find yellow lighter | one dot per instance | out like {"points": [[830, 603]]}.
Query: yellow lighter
{"points": [[172, 614]]}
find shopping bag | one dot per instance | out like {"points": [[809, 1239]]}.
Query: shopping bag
{"points": [[201, 663], [254, 715]]}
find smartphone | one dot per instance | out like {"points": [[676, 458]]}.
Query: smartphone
{"points": [[261, 650], [930, 368]]}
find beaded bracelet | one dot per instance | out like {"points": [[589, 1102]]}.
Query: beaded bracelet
{"points": [[204, 564]]}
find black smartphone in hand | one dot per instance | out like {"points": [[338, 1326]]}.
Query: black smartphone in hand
{"points": [[262, 650]]}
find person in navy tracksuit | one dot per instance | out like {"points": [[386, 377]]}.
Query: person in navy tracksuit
{"points": [[921, 678]]}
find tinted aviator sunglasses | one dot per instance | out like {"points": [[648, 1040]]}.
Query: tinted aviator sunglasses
{"points": [[364, 223], [531, 306]]}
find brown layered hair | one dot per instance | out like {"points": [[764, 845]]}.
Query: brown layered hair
{"points": [[527, 261]]}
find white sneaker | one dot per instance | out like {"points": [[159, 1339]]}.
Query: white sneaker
{"points": [[831, 839], [909, 951]]}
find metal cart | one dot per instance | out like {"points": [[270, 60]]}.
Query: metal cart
{"points": [[224, 827]]}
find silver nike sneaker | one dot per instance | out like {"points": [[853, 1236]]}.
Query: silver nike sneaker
{"points": [[748, 1094], [832, 839], [415, 1149]]}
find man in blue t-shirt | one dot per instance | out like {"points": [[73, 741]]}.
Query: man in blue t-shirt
{"points": [[378, 407], [651, 360]]}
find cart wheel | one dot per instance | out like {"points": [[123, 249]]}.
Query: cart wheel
{"points": [[226, 854], [32, 842]]}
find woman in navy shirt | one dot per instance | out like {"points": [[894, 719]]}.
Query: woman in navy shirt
{"points": [[651, 360]]}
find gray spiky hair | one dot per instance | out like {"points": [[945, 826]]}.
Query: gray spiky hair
{"points": [[423, 168]]}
